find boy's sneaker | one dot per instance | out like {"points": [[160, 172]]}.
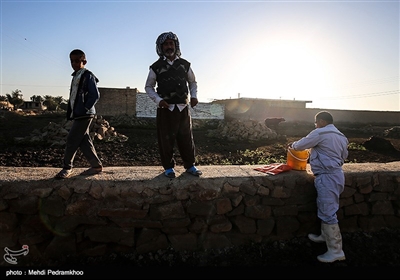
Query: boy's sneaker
{"points": [[194, 171], [170, 173], [64, 174]]}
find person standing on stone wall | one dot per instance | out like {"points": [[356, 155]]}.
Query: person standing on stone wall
{"points": [[84, 94], [328, 153], [175, 81]]}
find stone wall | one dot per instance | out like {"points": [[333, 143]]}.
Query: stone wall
{"points": [[139, 209]]}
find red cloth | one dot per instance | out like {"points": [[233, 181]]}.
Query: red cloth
{"points": [[274, 168]]}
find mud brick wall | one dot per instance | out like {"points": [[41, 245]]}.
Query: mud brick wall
{"points": [[139, 209], [117, 101]]}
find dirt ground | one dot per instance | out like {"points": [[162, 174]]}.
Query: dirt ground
{"points": [[378, 250], [141, 147]]}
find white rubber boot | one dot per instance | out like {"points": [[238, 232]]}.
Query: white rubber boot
{"points": [[317, 238], [333, 242]]}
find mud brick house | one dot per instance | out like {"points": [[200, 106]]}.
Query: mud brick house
{"points": [[33, 106]]}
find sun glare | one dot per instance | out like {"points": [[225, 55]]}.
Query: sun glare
{"points": [[283, 69]]}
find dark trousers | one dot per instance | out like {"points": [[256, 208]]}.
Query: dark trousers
{"points": [[78, 137], [174, 127]]}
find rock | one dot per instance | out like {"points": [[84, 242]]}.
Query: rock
{"points": [[273, 122]]}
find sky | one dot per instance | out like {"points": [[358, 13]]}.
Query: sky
{"points": [[337, 54]]}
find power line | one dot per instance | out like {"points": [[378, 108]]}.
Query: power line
{"points": [[364, 95], [19, 85], [369, 82], [28, 46]]}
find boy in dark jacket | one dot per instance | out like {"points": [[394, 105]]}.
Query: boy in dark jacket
{"points": [[84, 94]]}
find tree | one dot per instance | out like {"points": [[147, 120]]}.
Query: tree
{"points": [[53, 103], [62, 103], [59, 100], [15, 98], [37, 98]]}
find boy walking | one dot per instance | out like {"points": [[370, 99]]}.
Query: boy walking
{"points": [[84, 94]]}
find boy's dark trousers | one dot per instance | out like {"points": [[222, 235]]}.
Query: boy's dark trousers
{"points": [[78, 137]]}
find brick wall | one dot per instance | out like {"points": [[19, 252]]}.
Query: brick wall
{"points": [[116, 101]]}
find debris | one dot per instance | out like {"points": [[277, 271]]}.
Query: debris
{"points": [[55, 133]]}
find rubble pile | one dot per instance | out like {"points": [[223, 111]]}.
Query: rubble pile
{"points": [[55, 134], [238, 130], [393, 132]]}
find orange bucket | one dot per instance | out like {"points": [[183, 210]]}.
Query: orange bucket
{"points": [[297, 160]]}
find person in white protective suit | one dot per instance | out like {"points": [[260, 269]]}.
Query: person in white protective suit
{"points": [[329, 149]]}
